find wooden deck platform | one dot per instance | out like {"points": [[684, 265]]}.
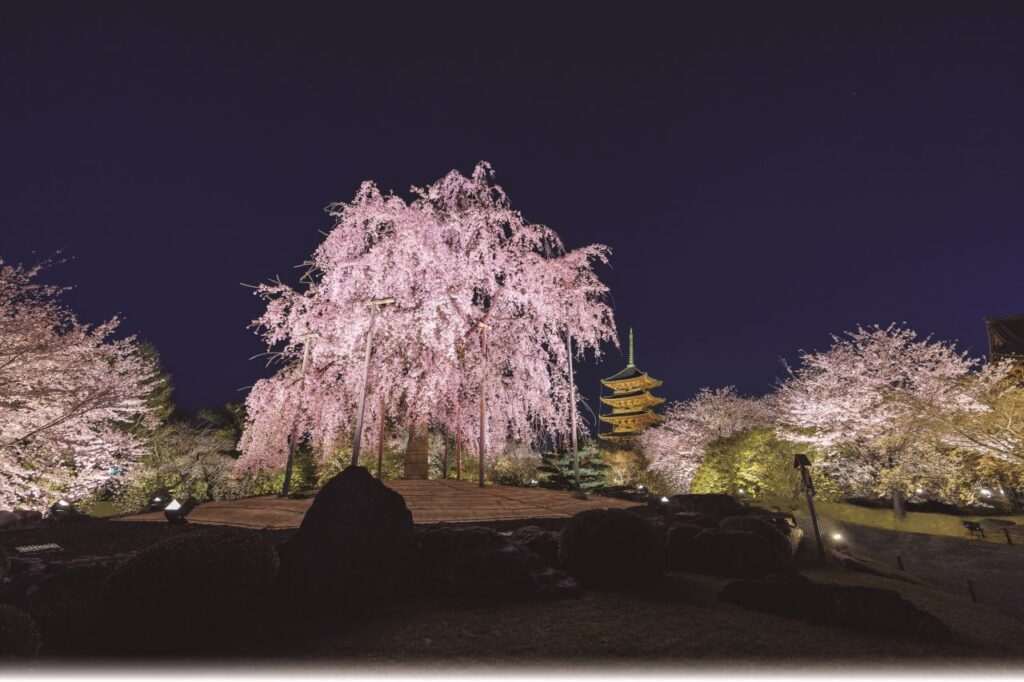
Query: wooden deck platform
{"points": [[429, 501]]}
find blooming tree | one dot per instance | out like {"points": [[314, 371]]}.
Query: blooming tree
{"points": [[872, 400], [70, 396], [677, 447], [483, 300]]}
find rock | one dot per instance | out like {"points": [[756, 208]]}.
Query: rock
{"points": [[696, 519], [19, 637], [736, 553], [867, 609], [7, 519], [679, 549], [472, 563], [759, 526], [719, 505], [543, 543], [66, 604], [354, 550], [611, 548], [5, 564], [191, 591]]}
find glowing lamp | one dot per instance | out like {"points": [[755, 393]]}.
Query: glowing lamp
{"points": [[986, 492], [664, 500], [838, 537], [62, 509], [176, 511]]}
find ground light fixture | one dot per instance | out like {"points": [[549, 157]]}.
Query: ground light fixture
{"points": [[62, 509], [159, 500], [664, 500], [176, 511], [986, 492]]}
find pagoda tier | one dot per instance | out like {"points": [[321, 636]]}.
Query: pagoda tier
{"points": [[631, 401]]}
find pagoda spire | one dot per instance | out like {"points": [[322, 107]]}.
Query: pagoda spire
{"points": [[631, 348]]}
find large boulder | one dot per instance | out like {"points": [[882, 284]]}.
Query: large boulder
{"points": [[19, 637], [867, 609], [761, 526], [543, 543], [354, 550], [473, 563], [66, 603], [717, 504], [191, 591], [704, 520], [679, 545], [736, 554], [611, 548]]}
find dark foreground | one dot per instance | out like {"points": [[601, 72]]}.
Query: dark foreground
{"points": [[679, 620]]}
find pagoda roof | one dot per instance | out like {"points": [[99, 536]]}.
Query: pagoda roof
{"points": [[631, 372]]}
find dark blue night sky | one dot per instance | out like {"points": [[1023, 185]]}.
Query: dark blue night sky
{"points": [[765, 173]]}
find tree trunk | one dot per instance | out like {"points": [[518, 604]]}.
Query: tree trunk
{"points": [[416, 454], [897, 504], [444, 461]]}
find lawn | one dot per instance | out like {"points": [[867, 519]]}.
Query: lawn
{"points": [[913, 522]]}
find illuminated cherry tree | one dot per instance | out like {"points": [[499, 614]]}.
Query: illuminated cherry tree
{"points": [[459, 262], [871, 403], [677, 447], [71, 396]]}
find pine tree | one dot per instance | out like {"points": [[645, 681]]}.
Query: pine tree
{"points": [[557, 470]]}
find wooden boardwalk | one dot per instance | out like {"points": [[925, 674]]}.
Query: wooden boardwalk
{"points": [[429, 501]]}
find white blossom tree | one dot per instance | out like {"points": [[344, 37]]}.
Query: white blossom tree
{"points": [[457, 260], [871, 403], [677, 447], [71, 396]]}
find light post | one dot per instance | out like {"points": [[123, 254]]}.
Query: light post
{"points": [[483, 400], [286, 489], [802, 463], [578, 493], [375, 306]]}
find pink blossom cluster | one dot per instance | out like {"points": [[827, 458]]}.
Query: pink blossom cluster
{"points": [[71, 397], [457, 260]]}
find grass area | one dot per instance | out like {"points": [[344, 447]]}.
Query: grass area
{"points": [[913, 522], [678, 622]]}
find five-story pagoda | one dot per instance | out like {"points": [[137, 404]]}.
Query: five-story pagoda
{"points": [[631, 401]]}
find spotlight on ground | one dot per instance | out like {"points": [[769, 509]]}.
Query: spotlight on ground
{"points": [[159, 500], [534, 483], [176, 511], [664, 500], [838, 537], [62, 509], [986, 492]]}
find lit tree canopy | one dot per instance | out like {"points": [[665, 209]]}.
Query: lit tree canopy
{"points": [[71, 396], [873, 401], [455, 258], [677, 447]]}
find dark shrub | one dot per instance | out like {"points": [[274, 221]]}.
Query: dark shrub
{"points": [[611, 548], [719, 505], [354, 550], [198, 587], [868, 609], [679, 545], [19, 637], [758, 526], [736, 553], [543, 543], [472, 563]]}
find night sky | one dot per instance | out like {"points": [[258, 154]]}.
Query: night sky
{"points": [[765, 173]]}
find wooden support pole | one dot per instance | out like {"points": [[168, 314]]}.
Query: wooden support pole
{"points": [[380, 443]]}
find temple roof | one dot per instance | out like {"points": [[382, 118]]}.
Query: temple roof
{"points": [[631, 371]]}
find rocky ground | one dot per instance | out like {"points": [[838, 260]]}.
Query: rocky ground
{"points": [[701, 580]]}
